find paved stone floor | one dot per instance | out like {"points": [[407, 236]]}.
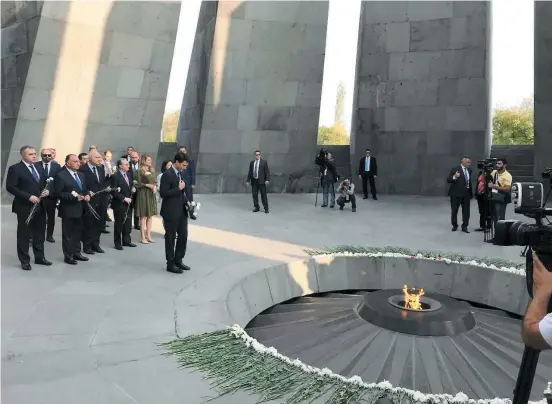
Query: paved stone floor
{"points": [[87, 333]]}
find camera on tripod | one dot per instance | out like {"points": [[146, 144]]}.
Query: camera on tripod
{"points": [[487, 165], [528, 199]]}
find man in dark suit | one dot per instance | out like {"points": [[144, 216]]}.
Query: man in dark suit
{"points": [[461, 193], [126, 157], [367, 172], [174, 214], [122, 205], [258, 176], [189, 175], [72, 191], [134, 167], [95, 179], [49, 169], [26, 185]]}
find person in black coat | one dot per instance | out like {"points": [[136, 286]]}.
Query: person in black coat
{"points": [[122, 204], [460, 193], [189, 175], [71, 189], [258, 176], [49, 169], [25, 183], [367, 172], [174, 214], [94, 176]]}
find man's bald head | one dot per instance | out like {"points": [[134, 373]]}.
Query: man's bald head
{"points": [[95, 157]]}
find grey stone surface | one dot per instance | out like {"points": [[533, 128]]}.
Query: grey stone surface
{"points": [[88, 333], [262, 92], [20, 20], [543, 86], [421, 86]]}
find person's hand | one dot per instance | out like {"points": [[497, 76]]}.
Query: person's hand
{"points": [[360, 176], [44, 193], [87, 198], [154, 189], [542, 278], [193, 186], [127, 201], [457, 174], [266, 182], [375, 176], [80, 198], [490, 185], [247, 183], [34, 199], [181, 185]]}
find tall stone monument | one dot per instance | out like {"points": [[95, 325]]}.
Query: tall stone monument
{"points": [[543, 86], [97, 73], [265, 62], [422, 96]]}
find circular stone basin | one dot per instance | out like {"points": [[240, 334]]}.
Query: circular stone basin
{"points": [[440, 315]]}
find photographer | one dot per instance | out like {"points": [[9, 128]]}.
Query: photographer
{"points": [[328, 176], [500, 190], [537, 324], [347, 194], [483, 206]]}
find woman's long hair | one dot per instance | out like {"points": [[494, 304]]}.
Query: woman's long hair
{"points": [[164, 165], [143, 163]]}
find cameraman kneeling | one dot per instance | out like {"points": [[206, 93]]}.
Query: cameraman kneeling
{"points": [[346, 194], [537, 324]]}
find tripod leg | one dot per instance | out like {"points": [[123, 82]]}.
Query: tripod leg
{"points": [[316, 198]]}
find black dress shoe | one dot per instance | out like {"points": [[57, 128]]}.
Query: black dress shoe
{"points": [[43, 261], [375, 198], [354, 209], [129, 245], [50, 239], [104, 231], [182, 266], [136, 227], [266, 210], [480, 229], [365, 197], [98, 250], [454, 228], [26, 267], [465, 230], [70, 261], [174, 269], [80, 257], [323, 206], [89, 251], [256, 210], [119, 247]]}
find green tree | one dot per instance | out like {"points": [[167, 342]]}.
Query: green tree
{"points": [[339, 104], [170, 126], [514, 125], [334, 135]]}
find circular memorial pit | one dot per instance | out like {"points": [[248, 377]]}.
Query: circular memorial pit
{"points": [[421, 341]]}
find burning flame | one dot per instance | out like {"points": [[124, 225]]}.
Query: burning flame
{"points": [[412, 298]]}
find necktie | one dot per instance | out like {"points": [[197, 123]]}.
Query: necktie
{"points": [[46, 169], [34, 173], [125, 177], [256, 174], [78, 181], [95, 173], [367, 165], [467, 178]]}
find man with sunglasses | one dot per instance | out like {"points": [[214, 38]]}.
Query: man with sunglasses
{"points": [[48, 167]]}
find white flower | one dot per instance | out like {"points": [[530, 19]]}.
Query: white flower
{"points": [[49, 179], [74, 194], [147, 173], [118, 189]]}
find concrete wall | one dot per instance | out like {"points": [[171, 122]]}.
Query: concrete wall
{"points": [[193, 103], [264, 90], [422, 90], [520, 159], [543, 86], [99, 74], [20, 20]]}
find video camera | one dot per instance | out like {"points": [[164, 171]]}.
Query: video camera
{"points": [[487, 165], [528, 199]]}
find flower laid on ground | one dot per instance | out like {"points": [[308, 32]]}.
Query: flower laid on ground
{"points": [[234, 361]]}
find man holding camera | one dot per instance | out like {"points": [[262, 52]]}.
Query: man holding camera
{"points": [[346, 194], [500, 190], [537, 324]]}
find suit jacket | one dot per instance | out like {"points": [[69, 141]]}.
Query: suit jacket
{"points": [[64, 184], [264, 172], [173, 199], [189, 174], [21, 184], [460, 186], [373, 166], [93, 183], [53, 169], [118, 181]]}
